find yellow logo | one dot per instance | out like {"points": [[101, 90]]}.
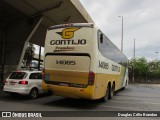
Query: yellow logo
{"points": [[68, 33]]}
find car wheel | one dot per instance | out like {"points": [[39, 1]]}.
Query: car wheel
{"points": [[33, 93]]}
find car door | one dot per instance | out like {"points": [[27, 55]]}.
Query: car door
{"points": [[32, 80], [36, 79]]}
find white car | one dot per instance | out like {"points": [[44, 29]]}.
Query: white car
{"points": [[24, 83]]}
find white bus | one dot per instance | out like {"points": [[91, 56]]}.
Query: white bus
{"points": [[81, 62]]}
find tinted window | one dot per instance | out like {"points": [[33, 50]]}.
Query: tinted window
{"points": [[40, 76], [104, 46], [35, 76], [17, 75], [110, 51]]}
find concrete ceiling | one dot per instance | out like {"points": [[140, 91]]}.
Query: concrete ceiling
{"points": [[18, 19], [53, 11]]}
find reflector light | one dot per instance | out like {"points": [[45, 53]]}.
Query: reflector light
{"points": [[91, 78], [43, 74]]}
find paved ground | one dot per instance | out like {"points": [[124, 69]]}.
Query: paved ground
{"points": [[136, 97]]}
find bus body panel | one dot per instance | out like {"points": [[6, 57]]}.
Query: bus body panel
{"points": [[65, 78], [102, 81], [68, 63], [79, 43], [108, 71], [67, 69]]}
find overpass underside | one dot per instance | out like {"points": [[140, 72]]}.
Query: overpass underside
{"points": [[23, 21]]}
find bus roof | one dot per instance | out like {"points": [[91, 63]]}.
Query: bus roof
{"points": [[72, 25]]}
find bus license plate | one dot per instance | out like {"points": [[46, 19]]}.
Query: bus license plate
{"points": [[64, 84]]}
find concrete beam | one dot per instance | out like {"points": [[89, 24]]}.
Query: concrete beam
{"points": [[18, 19]]}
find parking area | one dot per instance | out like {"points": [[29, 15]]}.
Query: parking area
{"points": [[136, 97]]}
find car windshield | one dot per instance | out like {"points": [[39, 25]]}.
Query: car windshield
{"points": [[17, 75]]}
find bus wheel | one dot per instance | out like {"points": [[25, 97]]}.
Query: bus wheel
{"points": [[105, 98], [125, 86], [111, 92]]}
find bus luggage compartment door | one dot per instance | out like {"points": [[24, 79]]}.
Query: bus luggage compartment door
{"points": [[67, 69]]}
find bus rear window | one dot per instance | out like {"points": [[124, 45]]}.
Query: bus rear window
{"points": [[17, 75]]}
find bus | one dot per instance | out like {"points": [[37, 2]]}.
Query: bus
{"points": [[81, 62]]}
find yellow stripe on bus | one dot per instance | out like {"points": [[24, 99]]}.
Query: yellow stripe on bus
{"points": [[96, 91], [68, 76]]}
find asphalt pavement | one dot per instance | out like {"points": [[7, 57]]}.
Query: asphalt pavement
{"points": [[136, 98]]}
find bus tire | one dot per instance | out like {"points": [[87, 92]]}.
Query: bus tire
{"points": [[111, 92], [125, 86], [105, 98]]}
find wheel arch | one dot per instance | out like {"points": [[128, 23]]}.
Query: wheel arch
{"points": [[34, 88]]}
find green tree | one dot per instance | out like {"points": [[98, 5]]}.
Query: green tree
{"points": [[154, 70], [29, 54], [140, 66], [144, 71]]}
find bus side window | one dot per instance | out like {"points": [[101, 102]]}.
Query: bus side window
{"points": [[101, 38]]}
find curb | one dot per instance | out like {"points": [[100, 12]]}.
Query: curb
{"points": [[157, 85]]}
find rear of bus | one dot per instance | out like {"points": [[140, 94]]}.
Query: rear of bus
{"points": [[68, 67]]}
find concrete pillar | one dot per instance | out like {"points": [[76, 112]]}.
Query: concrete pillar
{"points": [[12, 40]]}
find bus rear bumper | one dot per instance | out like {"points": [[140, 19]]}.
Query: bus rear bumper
{"points": [[71, 92]]}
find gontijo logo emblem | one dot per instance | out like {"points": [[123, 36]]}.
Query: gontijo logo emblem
{"points": [[68, 33]]}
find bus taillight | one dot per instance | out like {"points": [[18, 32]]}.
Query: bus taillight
{"points": [[91, 78]]}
